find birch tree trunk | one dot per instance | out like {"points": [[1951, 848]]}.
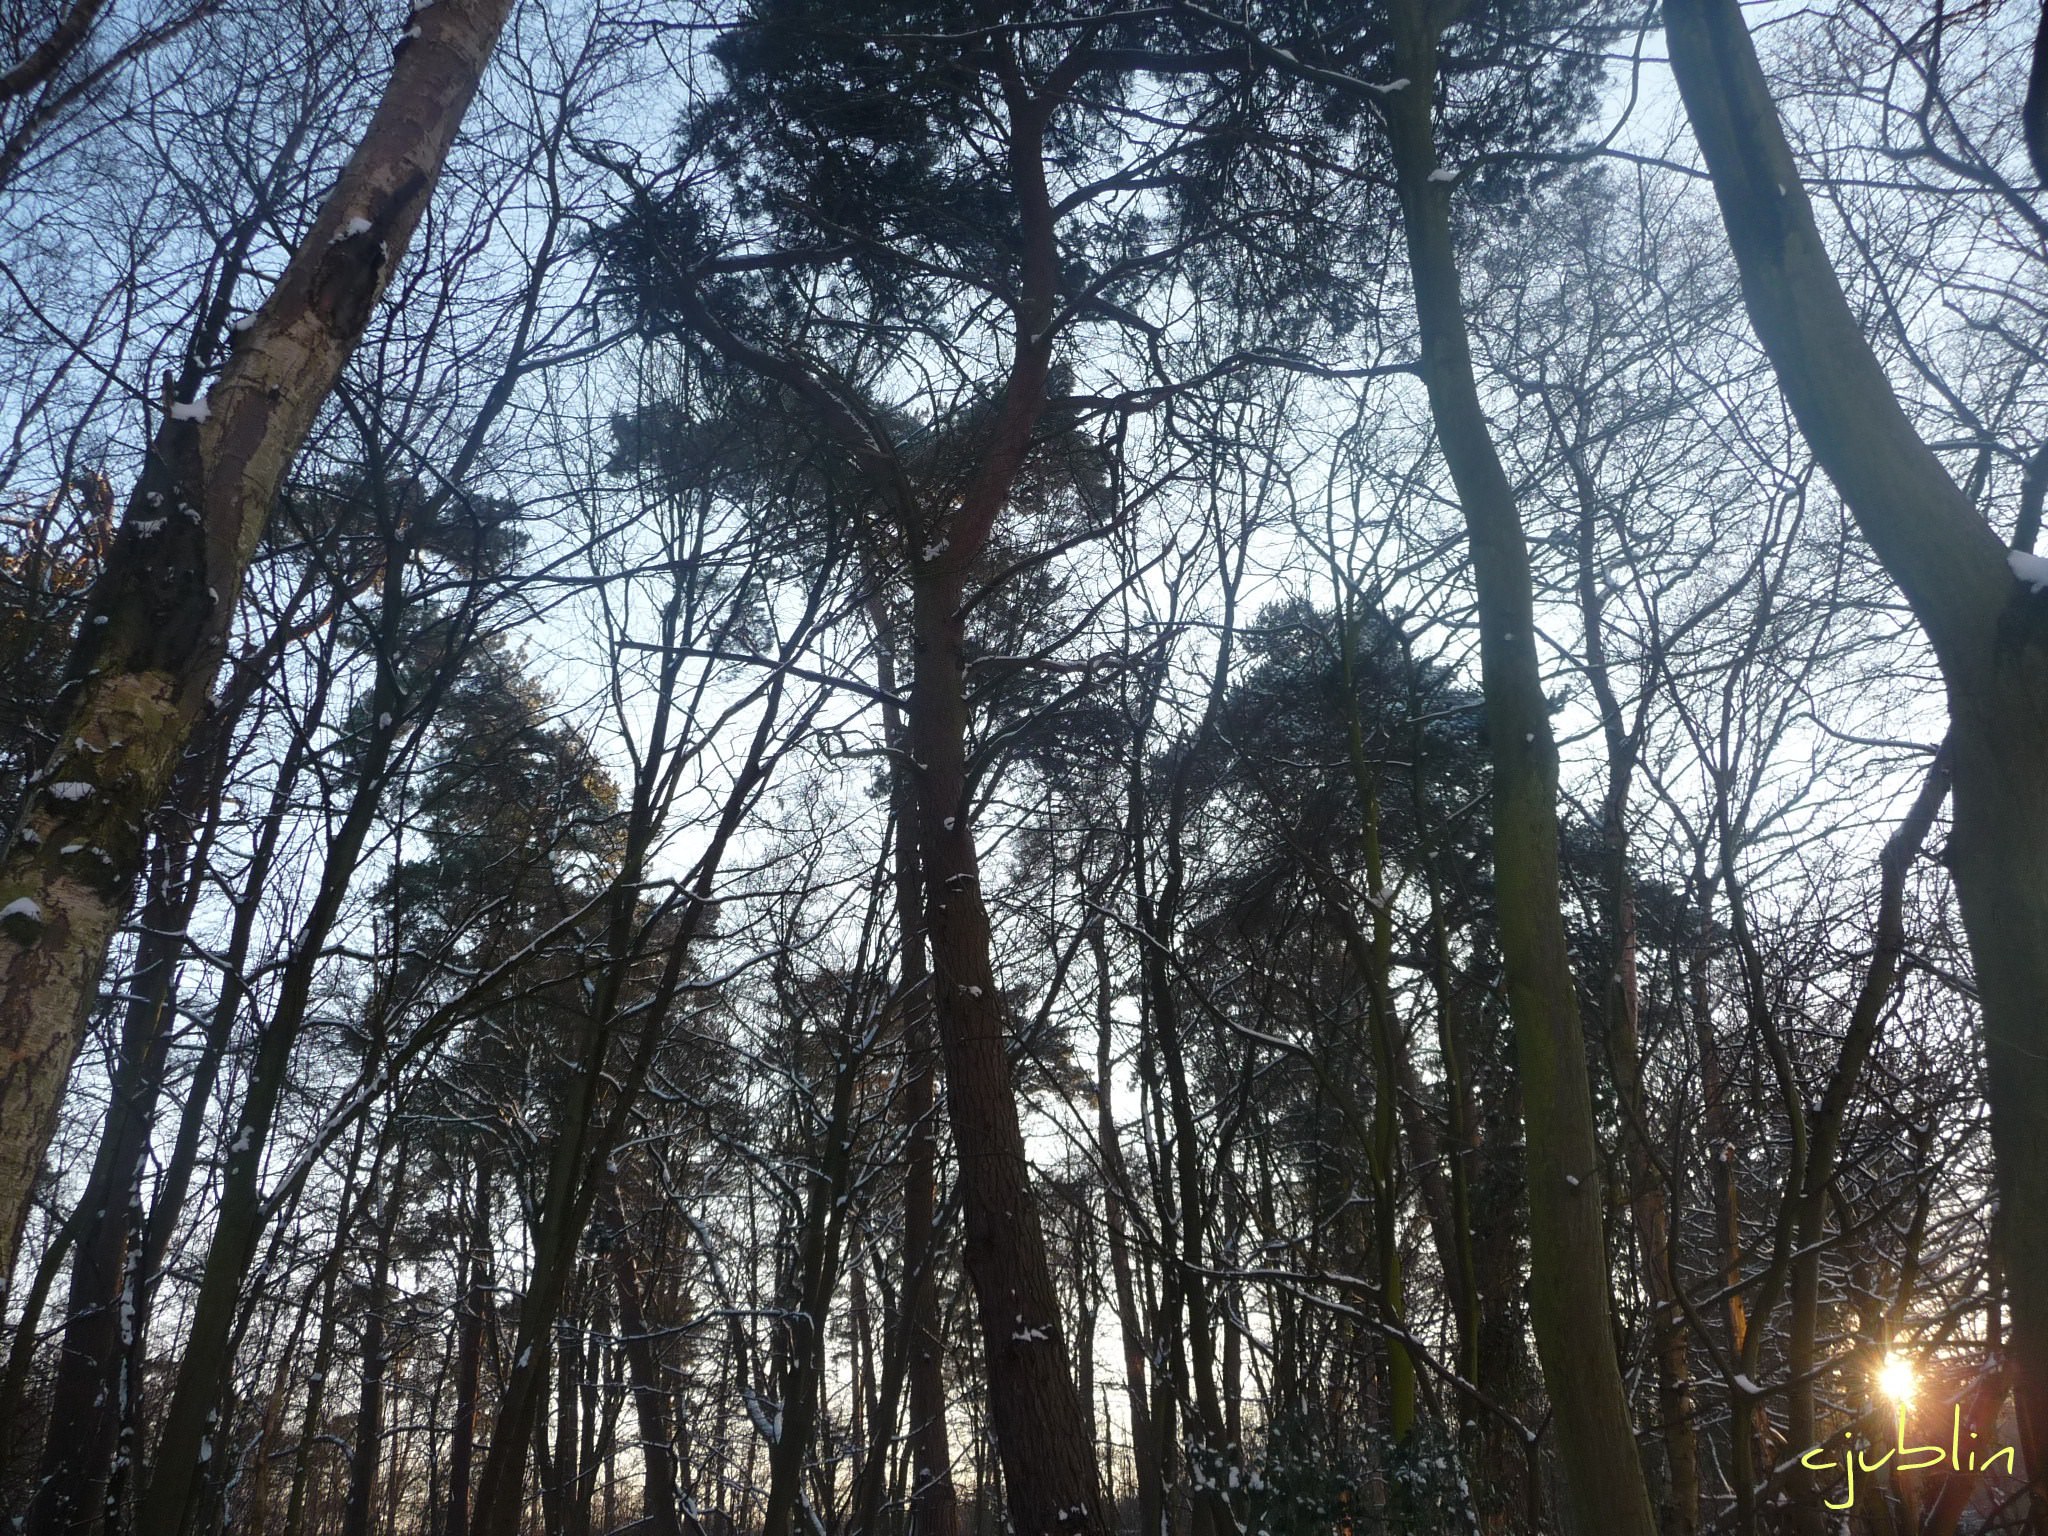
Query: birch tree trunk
{"points": [[1989, 630], [157, 627]]}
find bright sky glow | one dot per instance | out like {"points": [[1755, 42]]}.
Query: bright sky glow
{"points": [[1895, 1378]]}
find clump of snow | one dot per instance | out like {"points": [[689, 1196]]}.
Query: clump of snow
{"points": [[1443, 173], [22, 906], [69, 789], [355, 226], [189, 410], [2032, 569]]}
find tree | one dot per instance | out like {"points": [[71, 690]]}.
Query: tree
{"points": [[1976, 601], [152, 640]]}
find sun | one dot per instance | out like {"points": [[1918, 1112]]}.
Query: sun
{"points": [[1895, 1378]]}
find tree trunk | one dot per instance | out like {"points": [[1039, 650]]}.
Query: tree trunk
{"points": [[1568, 1278], [184, 1453], [588, 1135], [1621, 1013], [323, 1351], [830, 1160], [78, 1444], [1039, 1429], [1989, 631], [1035, 1418], [658, 1506], [1148, 1453], [158, 622], [469, 1353], [365, 1459], [935, 1505]]}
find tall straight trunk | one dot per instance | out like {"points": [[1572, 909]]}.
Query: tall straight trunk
{"points": [[1456, 1248], [831, 1164], [568, 1392], [1187, 1278], [582, 1143], [658, 1505], [310, 1434], [365, 1459], [1621, 1013], [543, 1464], [113, 1272], [1148, 1449], [158, 622], [1373, 957], [1989, 630], [1040, 1432], [935, 1504], [78, 1442], [1041, 1435], [469, 1353], [1568, 1278]]}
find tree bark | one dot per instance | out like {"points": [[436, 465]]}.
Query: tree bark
{"points": [[78, 1442], [1621, 1014], [934, 1503], [1568, 1278], [658, 1505], [1148, 1452], [1039, 1430], [365, 1460], [1989, 630], [158, 622], [469, 1351]]}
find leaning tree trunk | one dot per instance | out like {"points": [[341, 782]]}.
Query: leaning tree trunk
{"points": [[1041, 1433], [157, 626], [1048, 1463], [1568, 1275], [1989, 630]]}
